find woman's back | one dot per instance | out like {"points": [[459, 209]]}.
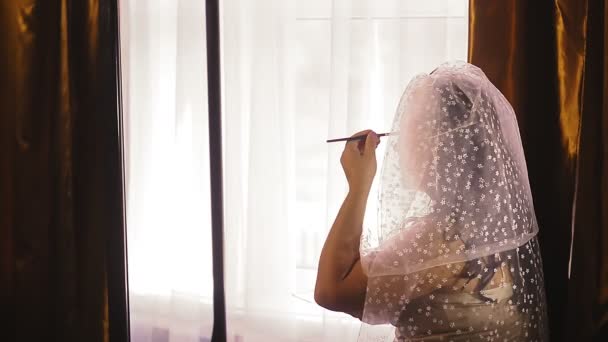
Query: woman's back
{"points": [[510, 307]]}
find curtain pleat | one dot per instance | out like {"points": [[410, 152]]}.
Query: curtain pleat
{"points": [[62, 268]]}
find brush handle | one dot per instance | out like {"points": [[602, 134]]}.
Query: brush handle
{"points": [[359, 137]]}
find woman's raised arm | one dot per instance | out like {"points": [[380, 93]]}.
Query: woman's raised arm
{"points": [[341, 282]]}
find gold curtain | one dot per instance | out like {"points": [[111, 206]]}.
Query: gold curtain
{"points": [[548, 58], [61, 216]]}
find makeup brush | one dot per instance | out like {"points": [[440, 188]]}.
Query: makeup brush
{"points": [[359, 137]]}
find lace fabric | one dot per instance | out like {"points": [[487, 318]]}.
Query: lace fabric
{"points": [[454, 257]]}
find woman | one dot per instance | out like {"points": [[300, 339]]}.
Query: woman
{"points": [[455, 256]]}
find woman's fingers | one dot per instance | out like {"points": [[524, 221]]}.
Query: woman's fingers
{"points": [[371, 142], [364, 132], [357, 145], [360, 145], [359, 160]]}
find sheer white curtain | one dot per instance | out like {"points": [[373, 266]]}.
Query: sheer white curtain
{"points": [[167, 169], [294, 73]]}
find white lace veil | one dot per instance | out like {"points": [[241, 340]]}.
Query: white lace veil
{"points": [[454, 193]]}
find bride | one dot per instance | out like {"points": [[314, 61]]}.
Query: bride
{"points": [[455, 255]]}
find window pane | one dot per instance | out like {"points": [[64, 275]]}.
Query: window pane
{"points": [[167, 170], [294, 74]]}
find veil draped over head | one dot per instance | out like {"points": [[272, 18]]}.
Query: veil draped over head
{"points": [[454, 257]]}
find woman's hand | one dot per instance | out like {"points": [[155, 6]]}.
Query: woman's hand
{"points": [[359, 161]]}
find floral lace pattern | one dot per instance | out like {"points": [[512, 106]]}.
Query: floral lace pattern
{"points": [[455, 256]]}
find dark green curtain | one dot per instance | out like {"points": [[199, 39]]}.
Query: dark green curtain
{"points": [[62, 255], [548, 58]]}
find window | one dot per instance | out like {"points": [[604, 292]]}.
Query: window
{"points": [[294, 74]]}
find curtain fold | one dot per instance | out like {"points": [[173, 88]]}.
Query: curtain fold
{"points": [[61, 197], [547, 57], [587, 303]]}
